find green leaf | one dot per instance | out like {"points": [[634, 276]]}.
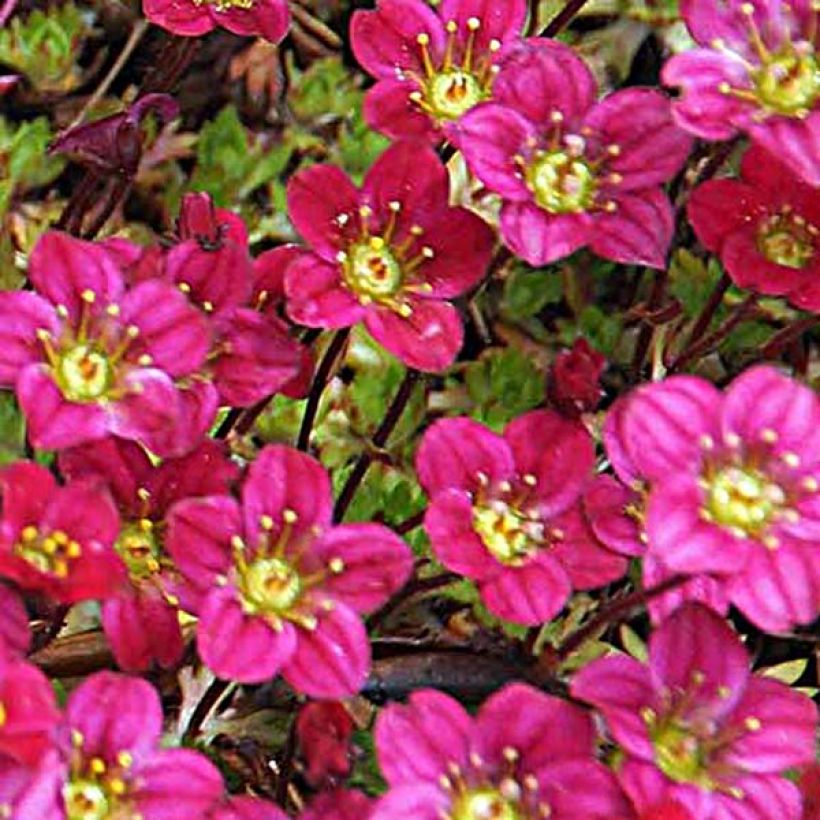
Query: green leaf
{"points": [[788, 672], [633, 643], [527, 291], [692, 280]]}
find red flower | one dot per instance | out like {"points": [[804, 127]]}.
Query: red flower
{"points": [[251, 18], [390, 254], [765, 227], [324, 731], [573, 383], [140, 620], [58, 540], [431, 66]]}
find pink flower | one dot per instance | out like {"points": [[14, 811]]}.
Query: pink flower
{"points": [[276, 586], [504, 511], [615, 508], [248, 18], [338, 804], [140, 620], [525, 754], [574, 380], [108, 762], [697, 727], [58, 540], [756, 73], [572, 172], [28, 714], [431, 66], [390, 254], [15, 636], [734, 480], [764, 227], [88, 357]]}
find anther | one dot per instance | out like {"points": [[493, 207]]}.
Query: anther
{"points": [[394, 206], [266, 522], [145, 360], [336, 565], [473, 23], [88, 296], [97, 765], [810, 484], [768, 435], [731, 440], [113, 310], [530, 480], [753, 724], [289, 516], [510, 754], [791, 460]]}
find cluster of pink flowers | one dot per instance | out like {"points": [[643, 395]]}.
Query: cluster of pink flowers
{"points": [[121, 356]]}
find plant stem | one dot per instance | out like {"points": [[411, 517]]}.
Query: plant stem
{"points": [[563, 18], [708, 312], [317, 388], [710, 342], [645, 335], [379, 440], [615, 612], [784, 337], [409, 524]]}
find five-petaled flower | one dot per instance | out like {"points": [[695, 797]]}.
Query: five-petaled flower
{"points": [[276, 586], [106, 762], [570, 171], [734, 487], [88, 356], [756, 72], [58, 540], [248, 18], [524, 755], [431, 66], [141, 618], [697, 727], [504, 511], [765, 227], [390, 254]]}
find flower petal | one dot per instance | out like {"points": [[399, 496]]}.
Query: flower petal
{"points": [[539, 237], [22, 315]]}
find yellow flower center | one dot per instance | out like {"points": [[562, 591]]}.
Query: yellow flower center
{"points": [[743, 500], [450, 89], [96, 790], [788, 83], [561, 184], [678, 752], [83, 374], [139, 547], [50, 552], [270, 586], [787, 240], [510, 536], [225, 5], [372, 270], [484, 804]]}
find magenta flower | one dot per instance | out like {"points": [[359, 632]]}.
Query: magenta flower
{"points": [[389, 254], [734, 483], [58, 540], [570, 171], [757, 73], [28, 714], [248, 18], [615, 508], [141, 619], [504, 511], [108, 762], [765, 227], [697, 727], [337, 804], [276, 586], [431, 66], [15, 635], [524, 755], [88, 357]]}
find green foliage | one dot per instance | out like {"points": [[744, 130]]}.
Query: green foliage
{"points": [[692, 280], [527, 291], [45, 46], [24, 161], [231, 162], [502, 384], [12, 429], [366, 775], [603, 331]]}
